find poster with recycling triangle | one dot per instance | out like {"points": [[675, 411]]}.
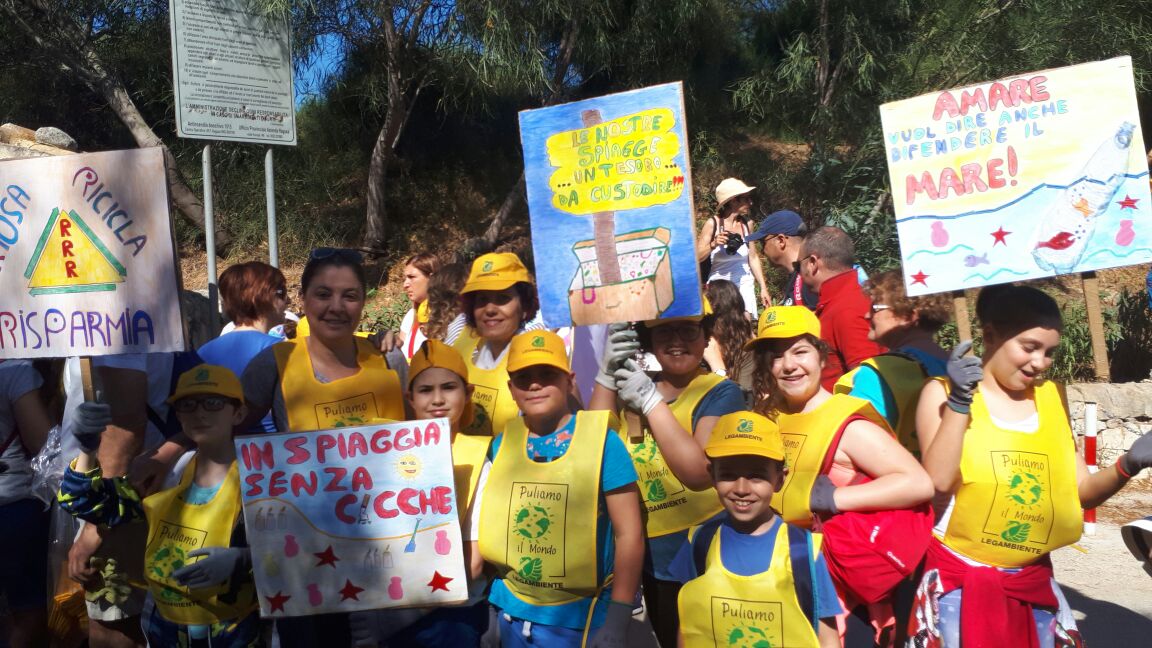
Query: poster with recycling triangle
{"points": [[70, 258]]}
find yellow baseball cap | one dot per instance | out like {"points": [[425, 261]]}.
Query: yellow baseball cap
{"points": [[496, 271], [707, 307], [783, 322], [206, 379], [745, 433], [537, 348], [434, 353]]}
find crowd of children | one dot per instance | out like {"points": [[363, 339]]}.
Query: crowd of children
{"points": [[923, 493]]}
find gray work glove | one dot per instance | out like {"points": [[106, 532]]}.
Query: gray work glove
{"points": [[90, 421], [364, 626], [621, 344], [636, 389], [491, 636], [963, 376], [822, 499], [218, 566], [1138, 457], [614, 632]]}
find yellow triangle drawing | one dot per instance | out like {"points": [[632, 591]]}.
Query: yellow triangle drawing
{"points": [[70, 258]]}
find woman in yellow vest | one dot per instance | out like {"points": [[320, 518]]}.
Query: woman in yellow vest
{"points": [[560, 518], [499, 301], [438, 388], [201, 583], [996, 437], [848, 476], [331, 377], [666, 421]]}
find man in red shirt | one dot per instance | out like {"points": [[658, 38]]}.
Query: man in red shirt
{"points": [[826, 259]]}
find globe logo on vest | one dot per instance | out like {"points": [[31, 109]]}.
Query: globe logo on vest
{"points": [[748, 637], [532, 522]]}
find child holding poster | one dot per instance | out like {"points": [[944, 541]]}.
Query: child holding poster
{"points": [[438, 387], [560, 519], [200, 581]]}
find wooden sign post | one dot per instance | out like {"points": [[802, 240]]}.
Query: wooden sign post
{"points": [[1091, 286]]}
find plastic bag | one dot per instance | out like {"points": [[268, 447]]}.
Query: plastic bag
{"points": [[48, 468]]}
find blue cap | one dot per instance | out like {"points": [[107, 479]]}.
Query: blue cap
{"points": [[783, 222]]}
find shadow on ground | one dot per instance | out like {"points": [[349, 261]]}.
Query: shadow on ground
{"points": [[1108, 624]]}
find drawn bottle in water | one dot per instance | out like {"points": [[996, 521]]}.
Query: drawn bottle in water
{"points": [[1067, 226], [282, 518], [386, 559]]}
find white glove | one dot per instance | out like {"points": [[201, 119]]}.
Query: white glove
{"points": [[621, 344], [636, 389]]}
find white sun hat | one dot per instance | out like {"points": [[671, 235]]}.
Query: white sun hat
{"points": [[729, 188]]}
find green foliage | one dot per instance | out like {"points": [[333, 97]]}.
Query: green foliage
{"points": [[384, 316]]}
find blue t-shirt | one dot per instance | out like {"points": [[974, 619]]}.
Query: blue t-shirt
{"points": [[744, 554], [235, 350], [869, 385], [726, 397], [616, 471]]}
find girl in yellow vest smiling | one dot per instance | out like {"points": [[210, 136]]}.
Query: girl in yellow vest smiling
{"points": [[667, 419], [438, 388], [996, 437], [200, 582], [560, 517], [848, 476], [499, 300]]}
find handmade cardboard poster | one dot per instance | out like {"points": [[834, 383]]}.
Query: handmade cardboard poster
{"points": [[610, 201], [1030, 176], [87, 265], [354, 518]]}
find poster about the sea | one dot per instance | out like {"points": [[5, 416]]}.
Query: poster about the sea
{"points": [[610, 200], [1031, 176]]}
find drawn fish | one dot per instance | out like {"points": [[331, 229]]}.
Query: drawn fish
{"points": [[1061, 241], [939, 234], [972, 260], [1125, 235]]}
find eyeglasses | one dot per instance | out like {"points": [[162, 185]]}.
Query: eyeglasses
{"points": [[210, 404], [876, 308], [684, 333], [344, 254]]}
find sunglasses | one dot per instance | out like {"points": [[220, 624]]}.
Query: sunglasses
{"points": [[876, 308], [685, 333], [344, 254], [210, 404]]}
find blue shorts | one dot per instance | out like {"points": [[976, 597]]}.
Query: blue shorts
{"points": [[24, 554]]}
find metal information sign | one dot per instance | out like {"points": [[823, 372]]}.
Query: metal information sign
{"points": [[232, 72]]}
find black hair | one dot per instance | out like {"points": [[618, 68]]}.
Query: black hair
{"points": [[1008, 309], [335, 260]]}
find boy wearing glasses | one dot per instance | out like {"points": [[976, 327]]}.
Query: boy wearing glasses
{"points": [[196, 560]]}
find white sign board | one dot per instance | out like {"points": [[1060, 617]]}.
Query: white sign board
{"points": [[232, 72], [87, 265]]}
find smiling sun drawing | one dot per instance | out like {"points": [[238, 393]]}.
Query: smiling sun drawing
{"points": [[409, 467]]}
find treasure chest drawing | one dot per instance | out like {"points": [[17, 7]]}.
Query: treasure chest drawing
{"points": [[645, 288]]}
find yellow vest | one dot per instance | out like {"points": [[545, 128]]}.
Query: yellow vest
{"points": [[372, 393], [1018, 498], [491, 385], [905, 377], [468, 455], [807, 440], [176, 528], [720, 608], [671, 505], [538, 520]]}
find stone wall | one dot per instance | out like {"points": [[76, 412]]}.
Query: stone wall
{"points": [[1123, 414]]}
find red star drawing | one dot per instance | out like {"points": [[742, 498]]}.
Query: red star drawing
{"points": [[439, 581], [919, 278], [999, 236], [327, 557], [1128, 203], [350, 591], [277, 601]]}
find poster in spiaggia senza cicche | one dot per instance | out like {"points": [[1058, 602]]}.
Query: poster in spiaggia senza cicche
{"points": [[1035, 175], [610, 200], [354, 518], [87, 265]]}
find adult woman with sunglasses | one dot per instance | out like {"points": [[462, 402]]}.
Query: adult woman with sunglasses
{"points": [[666, 421], [255, 295], [499, 300]]}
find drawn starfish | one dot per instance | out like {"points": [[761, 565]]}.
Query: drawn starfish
{"points": [[439, 582], [350, 591], [919, 278], [327, 557], [999, 236], [277, 601]]}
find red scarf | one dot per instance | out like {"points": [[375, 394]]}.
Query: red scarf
{"points": [[997, 606]]}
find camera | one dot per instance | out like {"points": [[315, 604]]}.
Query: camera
{"points": [[735, 240]]}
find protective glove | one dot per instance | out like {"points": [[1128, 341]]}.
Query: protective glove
{"points": [[1138, 457], [491, 636], [216, 567], [822, 499], [636, 389], [614, 632], [90, 421], [621, 344], [364, 626], [963, 375]]}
